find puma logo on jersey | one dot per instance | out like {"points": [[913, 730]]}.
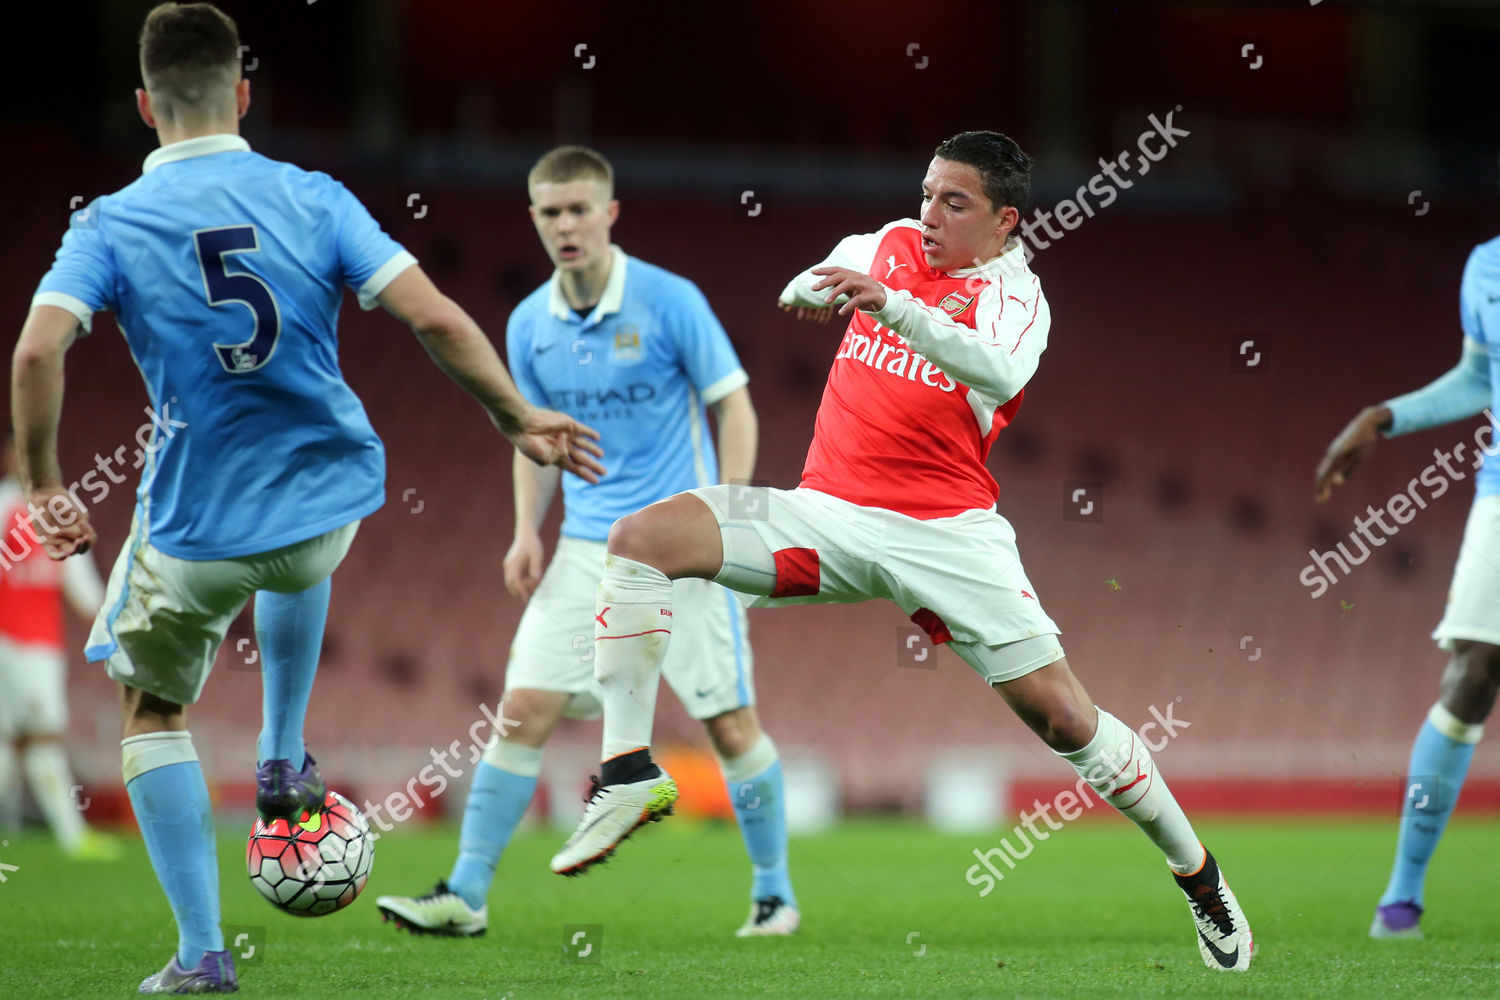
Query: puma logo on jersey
{"points": [[891, 260]]}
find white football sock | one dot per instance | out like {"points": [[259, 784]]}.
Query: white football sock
{"points": [[51, 781], [1117, 765], [632, 626]]}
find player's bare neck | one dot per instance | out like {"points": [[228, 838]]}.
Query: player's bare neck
{"points": [[585, 287], [180, 131]]}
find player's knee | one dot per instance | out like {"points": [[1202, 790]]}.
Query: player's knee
{"points": [[1479, 663], [639, 536], [733, 734], [1066, 726]]}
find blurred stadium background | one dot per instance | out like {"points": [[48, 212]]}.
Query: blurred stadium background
{"points": [[1341, 162]]}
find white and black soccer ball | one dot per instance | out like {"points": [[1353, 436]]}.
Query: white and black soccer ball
{"points": [[315, 866]]}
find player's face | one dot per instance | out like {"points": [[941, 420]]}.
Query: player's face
{"points": [[573, 220], [959, 226]]}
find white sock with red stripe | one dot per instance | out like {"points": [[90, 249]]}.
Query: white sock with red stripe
{"points": [[1117, 765], [632, 626]]}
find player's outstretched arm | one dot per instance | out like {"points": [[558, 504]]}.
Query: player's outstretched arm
{"points": [[461, 349], [61, 522], [1461, 392]]}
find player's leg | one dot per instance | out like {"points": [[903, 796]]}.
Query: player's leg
{"points": [[752, 771], [1042, 690], [46, 761], [289, 632], [165, 783], [504, 784], [1435, 775], [711, 667], [1440, 755], [503, 787], [549, 674], [671, 539], [293, 589], [162, 622]]}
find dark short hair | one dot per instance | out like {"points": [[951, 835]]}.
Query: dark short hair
{"points": [[1004, 168], [572, 163], [188, 50]]}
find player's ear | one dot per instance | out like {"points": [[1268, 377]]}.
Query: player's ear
{"points": [[242, 97], [613, 211], [1005, 221], [143, 106]]}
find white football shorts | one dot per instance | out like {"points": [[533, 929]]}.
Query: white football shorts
{"points": [[1473, 611], [33, 699], [709, 662], [959, 578], [164, 618]]}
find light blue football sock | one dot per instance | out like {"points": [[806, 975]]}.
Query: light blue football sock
{"points": [[170, 798], [497, 800], [1435, 775], [756, 790], [289, 628]]}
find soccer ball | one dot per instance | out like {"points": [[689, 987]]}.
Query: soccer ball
{"points": [[315, 866]]}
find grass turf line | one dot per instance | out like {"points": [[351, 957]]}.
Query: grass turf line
{"points": [[886, 913]]}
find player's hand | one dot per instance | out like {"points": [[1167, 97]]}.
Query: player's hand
{"points": [[1349, 449], [61, 523], [523, 566], [864, 292], [551, 438], [819, 316]]}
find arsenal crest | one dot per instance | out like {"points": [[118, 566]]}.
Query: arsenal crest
{"points": [[955, 303]]}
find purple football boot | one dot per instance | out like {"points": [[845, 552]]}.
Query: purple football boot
{"points": [[283, 792], [1398, 921], [214, 973]]}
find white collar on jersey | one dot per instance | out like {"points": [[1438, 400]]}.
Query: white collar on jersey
{"points": [[609, 302], [203, 145], [1011, 260]]}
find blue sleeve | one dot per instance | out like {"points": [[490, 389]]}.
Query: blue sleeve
{"points": [[1460, 392], [709, 359], [518, 354], [83, 276], [368, 258]]}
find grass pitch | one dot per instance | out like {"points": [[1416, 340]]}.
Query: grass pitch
{"points": [[886, 913]]}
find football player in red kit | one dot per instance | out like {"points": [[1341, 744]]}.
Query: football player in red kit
{"points": [[946, 325]]}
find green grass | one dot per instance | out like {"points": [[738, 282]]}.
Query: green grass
{"points": [[1091, 913]]}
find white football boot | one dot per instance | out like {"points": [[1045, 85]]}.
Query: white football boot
{"points": [[770, 916], [614, 812], [441, 911], [1224, 938]]}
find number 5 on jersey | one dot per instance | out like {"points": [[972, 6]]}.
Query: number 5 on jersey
{"points": [[221, 287]]}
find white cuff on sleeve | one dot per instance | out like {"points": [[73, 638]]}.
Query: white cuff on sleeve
{"points": [[369, 292], [734, 380], [72, 304]]}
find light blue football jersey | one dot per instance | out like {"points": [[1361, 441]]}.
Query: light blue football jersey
{"points": [[641, 368], [225, 270], [1479, 313]]}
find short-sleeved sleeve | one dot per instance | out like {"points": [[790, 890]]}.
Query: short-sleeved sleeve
{"points": [[707, 355], [518, 353], [83, 276], [368, 258], [1479, 297]]}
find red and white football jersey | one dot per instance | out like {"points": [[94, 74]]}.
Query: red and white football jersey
{"points": [[32, 585], [919, 390]]}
